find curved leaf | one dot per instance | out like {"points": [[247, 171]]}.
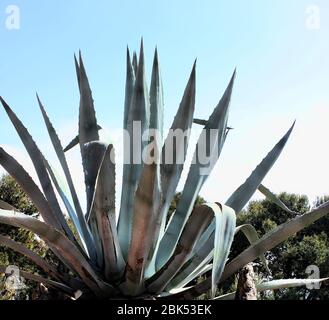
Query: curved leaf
{"points": [[267, 242], [103, 208], [64, 246], [44, 265], [37, 160], [198, 221], [251, 234], [243, 194], [272, 197], [28, 185], [211, 140], [288, 283], [77, 216]]}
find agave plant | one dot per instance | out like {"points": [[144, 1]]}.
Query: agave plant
{"points": [[137, 253]]}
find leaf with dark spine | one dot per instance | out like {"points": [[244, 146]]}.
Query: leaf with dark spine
{"points": [[37, 160], [139, 113], [266, 243], [88, 129], [103, 209], [77, 216], [135, 62], [273, 198], [129, 90], [77, 69], [156, 127], [200, 122], [64, 246], [156, 98], [75, 141], [198, 173], [243, 194], [175, 148], [198, 221], [53, 284]]}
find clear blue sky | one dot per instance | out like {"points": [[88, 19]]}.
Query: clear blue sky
{"points": [[283, 67]]}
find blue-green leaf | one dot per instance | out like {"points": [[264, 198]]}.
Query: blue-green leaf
{"points": [[216, 128]]}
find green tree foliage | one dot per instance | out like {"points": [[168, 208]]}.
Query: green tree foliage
{"points": [[175, 201], [292, 257], [11, 193]]}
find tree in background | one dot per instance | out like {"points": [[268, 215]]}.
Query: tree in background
{"points": [[12, 193], [292, 257]]}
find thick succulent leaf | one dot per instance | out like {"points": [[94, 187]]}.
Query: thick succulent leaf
{"points": [[196, 274], [156, 129], [198, 259], [225, 221], [198, 221], [275, 237], [146, 203], [272, 197], [199, 172], [267, 242], [288, 283], [156, 98], [28, 185], [228, 296], [103, 209], [75, 141], [200, 122], [77, 216], [53, 284], [34, 257], [135, 62], [243, 194], [93, 155], [6, 206], [63, 195], [173, 158], [130, 82], [65, 247], [88, 129], [139, 115], [224, 234], [251, 234], [275, 285], [37, 160]]}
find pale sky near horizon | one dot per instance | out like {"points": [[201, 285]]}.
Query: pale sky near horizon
{"points": [[282, 75]]}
